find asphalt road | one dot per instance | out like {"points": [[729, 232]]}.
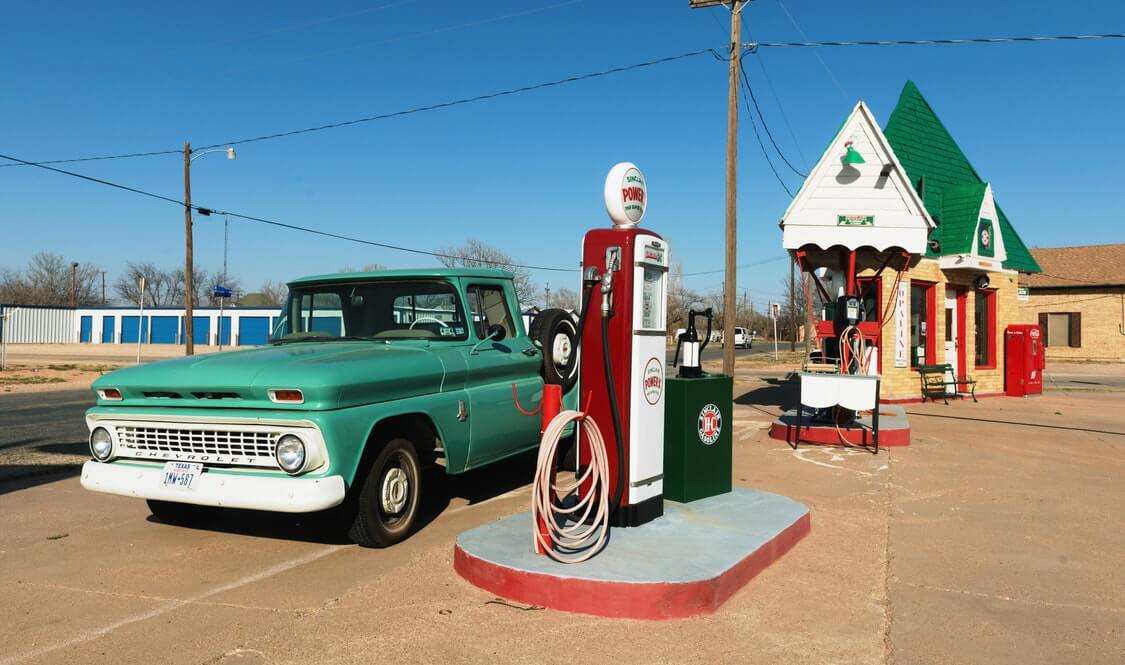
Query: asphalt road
{"points": [[715, 352], [1022, 498], [42, 433]]}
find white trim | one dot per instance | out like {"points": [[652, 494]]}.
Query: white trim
{"points": [[228, 490], [803, 225]]}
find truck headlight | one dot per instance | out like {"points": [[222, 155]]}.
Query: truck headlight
{"points": [[290, 453], [101, 444]]}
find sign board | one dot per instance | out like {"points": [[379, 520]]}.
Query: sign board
{"points": [[626, 194], [855, 220], [1023, 294], [775, 310], [902, 327], [222, 292]]}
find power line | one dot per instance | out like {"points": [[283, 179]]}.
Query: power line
{"points": [[762, 145], [395, 114], [752, 46], [749, 89], [468, 100], [777, 100], [213, 211], [827, 69], [748, 265]]}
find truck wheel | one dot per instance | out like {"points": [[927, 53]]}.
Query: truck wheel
{"points": [[172, 512], [388, 502], [556, 334]]}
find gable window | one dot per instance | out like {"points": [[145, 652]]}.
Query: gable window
{"points": [[984, 322]]}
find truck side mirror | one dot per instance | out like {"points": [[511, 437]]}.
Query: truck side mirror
{"points": [[496, 332]]}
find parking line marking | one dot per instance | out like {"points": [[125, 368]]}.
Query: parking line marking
{"points": [[170, 605]]}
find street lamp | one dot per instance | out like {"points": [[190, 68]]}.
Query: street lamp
{"points": [[189, 286]]}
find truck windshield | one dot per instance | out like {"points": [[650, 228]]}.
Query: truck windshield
{"points": [[414, 309]]}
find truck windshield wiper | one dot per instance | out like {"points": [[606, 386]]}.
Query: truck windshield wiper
{"points": [[314, 337]]}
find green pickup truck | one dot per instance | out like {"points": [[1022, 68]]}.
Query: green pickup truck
{"points": [[370, 381]]}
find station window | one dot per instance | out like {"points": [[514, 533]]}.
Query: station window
{"points": [[922, 337], [1061, 328], [984, 320], [871, 289]]}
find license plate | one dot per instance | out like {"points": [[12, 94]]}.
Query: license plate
{"points": [[181, 475]]}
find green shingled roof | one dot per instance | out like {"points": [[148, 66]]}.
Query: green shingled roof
{"points": [[945, 179], [960, 210]]}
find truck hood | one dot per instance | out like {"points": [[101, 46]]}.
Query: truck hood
{"points": [[331, 375]]}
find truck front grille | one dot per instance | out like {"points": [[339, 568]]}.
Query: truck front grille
{"points": [[205, 443]]}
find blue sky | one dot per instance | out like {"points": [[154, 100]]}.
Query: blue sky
{"points": [[523, 173]]}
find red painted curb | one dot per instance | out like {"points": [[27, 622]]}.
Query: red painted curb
{"points": [[821, 435], [627, 600]]}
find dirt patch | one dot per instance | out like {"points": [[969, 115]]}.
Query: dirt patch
{"points": [[40, 378]]}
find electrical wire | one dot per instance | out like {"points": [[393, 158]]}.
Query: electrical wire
{"points": [[400, 113], [827, 69], [747, 265], [262, 220], [762, 145], [765, 126], [777, 100], [752, 46]]}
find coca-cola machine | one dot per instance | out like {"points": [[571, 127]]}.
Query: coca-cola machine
{"points": [[1025, 358]]}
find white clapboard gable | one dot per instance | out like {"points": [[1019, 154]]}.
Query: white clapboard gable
{"points": [[857, 205]]}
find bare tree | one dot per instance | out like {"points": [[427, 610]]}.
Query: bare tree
{"points": [[274, 293], [476, 254], [565, 299], [47, 280], [680, 299]]}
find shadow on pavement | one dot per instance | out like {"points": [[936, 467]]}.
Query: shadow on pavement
{"points": [[1016, 422], [781, 393], [330, 526]]}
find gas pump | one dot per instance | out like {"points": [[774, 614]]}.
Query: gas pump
{"points": [[620, 384], [634, 269]]}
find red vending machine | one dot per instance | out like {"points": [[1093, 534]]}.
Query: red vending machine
{"points": [[1024, 360]]}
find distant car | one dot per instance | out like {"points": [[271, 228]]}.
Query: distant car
{"points": [[743, 338]]}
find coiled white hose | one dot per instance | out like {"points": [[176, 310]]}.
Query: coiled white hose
{"points": [[582, 539]]}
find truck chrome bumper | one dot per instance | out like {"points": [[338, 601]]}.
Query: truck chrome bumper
{"points": [[279, 494]]}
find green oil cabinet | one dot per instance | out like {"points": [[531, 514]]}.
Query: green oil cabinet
{"points": [[698, 417]]}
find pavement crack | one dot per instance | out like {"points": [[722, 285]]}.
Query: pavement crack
{"points": [[888, 608], [1011, 599], [165, 599]]}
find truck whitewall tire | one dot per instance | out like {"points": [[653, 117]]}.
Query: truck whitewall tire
{"points": [[387, 507]]}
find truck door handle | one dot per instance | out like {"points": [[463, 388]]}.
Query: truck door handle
{"points": [[530, 351]]}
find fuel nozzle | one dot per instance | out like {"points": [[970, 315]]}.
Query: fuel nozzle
{"points": [[607, 293]]}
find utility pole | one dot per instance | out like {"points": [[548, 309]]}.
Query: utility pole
{"points": [[103, 288], [547, 296], [189, 287], [792, 303], [74, 284], [731, 285]]}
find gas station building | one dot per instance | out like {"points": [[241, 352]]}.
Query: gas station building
{"points": [[955, 298]]}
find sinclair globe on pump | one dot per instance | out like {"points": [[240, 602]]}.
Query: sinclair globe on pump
{"points": [[633, 264]]}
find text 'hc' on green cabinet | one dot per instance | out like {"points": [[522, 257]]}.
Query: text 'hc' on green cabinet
{"points": [[698, 418]]}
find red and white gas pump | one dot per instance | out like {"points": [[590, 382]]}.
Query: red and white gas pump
{"points": [[620, 383], [633, 264]]}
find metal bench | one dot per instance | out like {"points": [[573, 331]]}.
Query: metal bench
{"points": [[936, 380]]}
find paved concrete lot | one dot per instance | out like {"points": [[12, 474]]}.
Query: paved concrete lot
{"points": [[995, 538]]}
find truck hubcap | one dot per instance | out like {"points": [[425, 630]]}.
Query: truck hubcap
{"points": [[396, 489], [561, 349]]}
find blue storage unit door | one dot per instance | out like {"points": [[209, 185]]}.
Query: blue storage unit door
{"points": [[200, 330], [86, 329], [164, 329], [253, 330], [129, 329], [332, 325], [224, 330], [108, 331]]}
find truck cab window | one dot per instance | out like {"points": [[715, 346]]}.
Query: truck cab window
{"points": [[488, 307]]}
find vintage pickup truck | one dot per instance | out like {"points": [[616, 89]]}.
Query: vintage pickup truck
{"points": [[369, 382]]}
